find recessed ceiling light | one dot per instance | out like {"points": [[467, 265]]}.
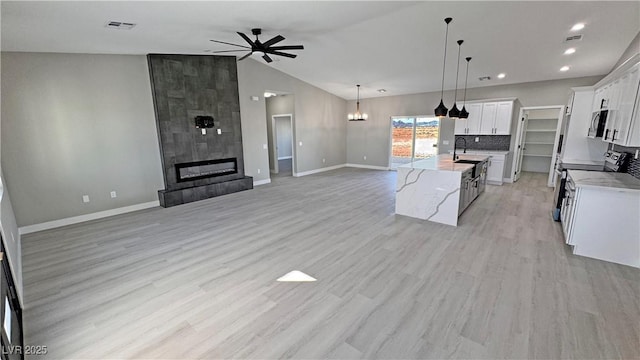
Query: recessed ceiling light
{"points": [[564, 68], [382, 90], [502, 75], [577, 27], [569, 51]]}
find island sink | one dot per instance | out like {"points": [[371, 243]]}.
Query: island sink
{"points": [[467, 161]]}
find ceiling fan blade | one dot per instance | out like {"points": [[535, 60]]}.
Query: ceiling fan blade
{"points": [[246, 56], [267, 58], [287, 47], [226, 51], [222, 42], [279, 53], [246, 38], [274, 40]]}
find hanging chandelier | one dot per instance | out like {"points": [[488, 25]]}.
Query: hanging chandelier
{"points": [[441, 110], [464, 114], [358, 116]]}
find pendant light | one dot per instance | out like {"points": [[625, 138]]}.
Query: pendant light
{"points": [[441, 110], [464, 114], [358, 116], [454, 113]]}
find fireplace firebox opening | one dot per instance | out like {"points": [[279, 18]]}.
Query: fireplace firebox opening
{"points": [[204, 169]]}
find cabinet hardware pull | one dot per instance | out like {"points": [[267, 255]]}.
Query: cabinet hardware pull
{"points": [[613, 137], [606, 134]]}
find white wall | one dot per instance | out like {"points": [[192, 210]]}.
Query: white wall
{"points": [[77, 125], [283, 136]]}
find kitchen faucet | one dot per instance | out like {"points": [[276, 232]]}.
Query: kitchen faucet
{"points": [[454, 146]]}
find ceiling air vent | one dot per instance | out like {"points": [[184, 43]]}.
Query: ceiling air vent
{"points": [[119, 25], [573, 38], [483, 78]]}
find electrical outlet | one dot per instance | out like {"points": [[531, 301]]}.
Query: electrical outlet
{"points": [[113, 194], [364, 157], [264, 146], [258, 171], [300, 143], [324, 160], [219, 131], [477, 139], [445, 142], [637, 153], [85, 198]]}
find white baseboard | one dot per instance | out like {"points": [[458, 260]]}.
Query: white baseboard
{"points": [[315, 171], [372, 167], [508, 180], [262, 182], [284, 158], [87, 217]]}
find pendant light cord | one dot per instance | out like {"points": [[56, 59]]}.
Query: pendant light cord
{"points": [[444, 62], [457, 71], [358, 100], [465, 81]]}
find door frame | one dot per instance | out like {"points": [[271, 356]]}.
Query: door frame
{"points": [[518, 144], [274, 141]]}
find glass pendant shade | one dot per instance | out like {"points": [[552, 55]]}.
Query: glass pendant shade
{"points": [[441, 110]]}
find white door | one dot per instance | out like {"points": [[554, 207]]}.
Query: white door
{"points": [[522, 127], [488, 118]]}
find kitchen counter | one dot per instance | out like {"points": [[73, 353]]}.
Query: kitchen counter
{"points": [[582, 164], [605, 180], [430, 189]]}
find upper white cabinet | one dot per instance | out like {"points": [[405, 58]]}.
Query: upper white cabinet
{"points": [[487, 118], [621, 98]]}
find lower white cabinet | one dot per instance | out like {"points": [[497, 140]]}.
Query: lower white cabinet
{"points": [[602, 223], [495, 171]]}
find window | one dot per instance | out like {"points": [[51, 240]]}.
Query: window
{"points": [[413, 138]]}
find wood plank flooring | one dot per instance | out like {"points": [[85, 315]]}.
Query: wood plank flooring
{"points": [[198, 280]]}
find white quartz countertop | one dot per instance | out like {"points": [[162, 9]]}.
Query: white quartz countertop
{"points": [[605, 180], [443, 162]]}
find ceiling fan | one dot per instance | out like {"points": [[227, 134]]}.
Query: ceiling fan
{"points": [[266, 47]]}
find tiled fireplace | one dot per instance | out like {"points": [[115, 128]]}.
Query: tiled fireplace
{"points": [[198, 163]]}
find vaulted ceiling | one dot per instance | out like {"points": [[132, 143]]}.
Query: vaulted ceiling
{"points": [[397, 46]]}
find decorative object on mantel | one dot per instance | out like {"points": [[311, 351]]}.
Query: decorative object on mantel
{"points": [[203, 123], [464, 114], [454, 113], [441, 110], [358, 116], [265, 48]]}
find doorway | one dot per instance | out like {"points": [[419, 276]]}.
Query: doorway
{"points": [[282, 152], [537, 140], [413, 138]]}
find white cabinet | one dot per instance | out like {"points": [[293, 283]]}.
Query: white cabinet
{"points": [[470, 125], [495, 170], [594, 230], [622, 111], [487, 118]]}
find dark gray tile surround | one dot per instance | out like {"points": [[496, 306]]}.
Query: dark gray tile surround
{"points": [[183, 87]]}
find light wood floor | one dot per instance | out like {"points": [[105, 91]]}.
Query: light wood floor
{"points": [[198, 280]]}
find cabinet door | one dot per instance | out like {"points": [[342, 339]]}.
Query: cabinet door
{"points": [[597, 99], [624, 115], [613, 115], [475, 117], [488, 118], [495, 170], [461, 126], [503, 118]]}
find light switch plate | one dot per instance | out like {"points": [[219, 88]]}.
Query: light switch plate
{"points": [[264, 146], [445, 142], [85, 198]]}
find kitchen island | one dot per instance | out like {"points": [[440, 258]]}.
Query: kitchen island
{"points": [[438, 189]]}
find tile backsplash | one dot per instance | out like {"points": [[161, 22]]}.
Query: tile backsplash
{"points": [[486, 142], [634, 164]]}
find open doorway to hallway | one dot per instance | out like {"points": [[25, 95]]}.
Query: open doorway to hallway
{"points": [[281, 135]]}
